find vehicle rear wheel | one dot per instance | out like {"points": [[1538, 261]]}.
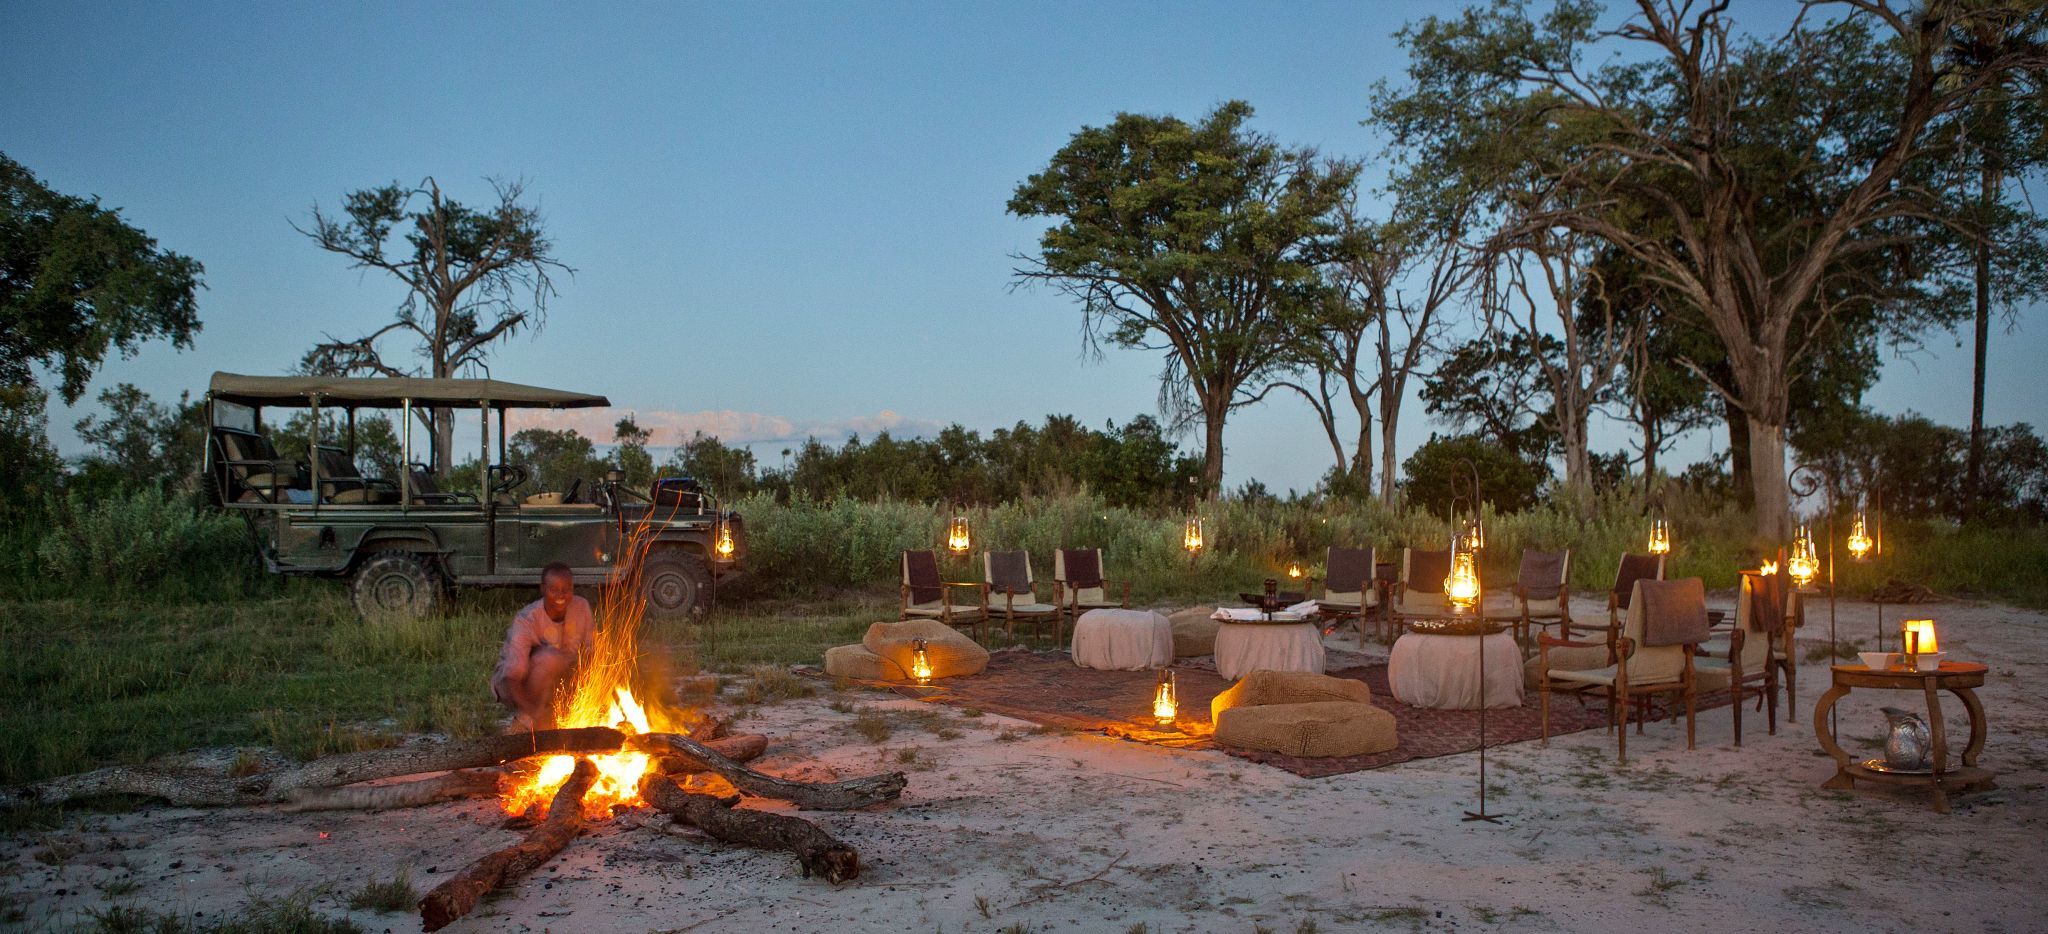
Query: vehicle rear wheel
{"points": [[676, 585], [394, 585]]}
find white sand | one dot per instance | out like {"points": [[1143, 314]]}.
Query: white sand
{"points": [[1085, 833]]}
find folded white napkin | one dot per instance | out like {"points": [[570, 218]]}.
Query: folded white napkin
{"points": [[1296, 613]]}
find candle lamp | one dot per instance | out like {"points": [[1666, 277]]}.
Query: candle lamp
{"points": [[1923, 650], [920, 663], [1165, 699]]}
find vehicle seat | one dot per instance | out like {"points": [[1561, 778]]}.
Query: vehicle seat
{"points": [[342, 483], [255, 468], [425, 491]]}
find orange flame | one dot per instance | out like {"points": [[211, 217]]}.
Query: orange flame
{"points": [[601, 695]]}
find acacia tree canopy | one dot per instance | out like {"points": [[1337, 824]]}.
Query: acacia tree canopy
{"points": [[77, 280]]}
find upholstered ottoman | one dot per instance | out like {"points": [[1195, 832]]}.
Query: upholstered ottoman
{"points": [[1302, 714], [1194, 632], [1123, 640], [884, 653]]}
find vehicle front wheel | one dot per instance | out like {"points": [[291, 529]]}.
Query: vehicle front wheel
{"points": [[395, 585], [676, 585]]}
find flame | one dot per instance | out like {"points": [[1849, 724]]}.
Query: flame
{"points": [[601, 695], [1660, 537], [1165, 705], [957, 538], [1769, 567], [1191, 536], [1294, 570], [1462, 587]]}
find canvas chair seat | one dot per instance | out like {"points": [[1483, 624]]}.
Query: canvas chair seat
{"points": [[1011, 590], [997, 603], [1356, 600], [1607, 676], [938, 610], [1553, 607], [1417, 603]]}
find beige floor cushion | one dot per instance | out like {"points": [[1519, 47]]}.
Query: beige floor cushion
{"points": [[855, 661], [952, 653], [1288, 687], [1194, 632], [1319, 729]]}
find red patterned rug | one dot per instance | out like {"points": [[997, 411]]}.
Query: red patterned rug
{"points": [[1047, 688]]}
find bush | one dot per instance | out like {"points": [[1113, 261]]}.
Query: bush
{"points": [[145, 539]]}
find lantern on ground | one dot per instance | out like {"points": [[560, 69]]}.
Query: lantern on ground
{"points": [[1461, 588], [957, 538], [1860, 542], [1923, 650], [725, 545], [920, 663], [1165, 699], [1660, 537], [1804, 563], [1191, 536]]}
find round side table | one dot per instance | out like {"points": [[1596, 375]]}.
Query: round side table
{"points": [[1958, 678]]}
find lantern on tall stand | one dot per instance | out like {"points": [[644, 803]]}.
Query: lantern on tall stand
{"points": [[1660, 536], [1191, 536], [1803, 565], [1461, 588], [957, 538], [1860, 543]]}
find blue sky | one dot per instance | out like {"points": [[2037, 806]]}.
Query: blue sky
{"points": [[785, 218]]}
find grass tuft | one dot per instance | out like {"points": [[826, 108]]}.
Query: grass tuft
{"points": [[390, 896]]}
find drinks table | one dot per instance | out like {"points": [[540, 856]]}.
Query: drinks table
{"points": [[1442, 664], [1958, 678]]}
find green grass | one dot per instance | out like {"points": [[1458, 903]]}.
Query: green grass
{"points": [[291, 914]]}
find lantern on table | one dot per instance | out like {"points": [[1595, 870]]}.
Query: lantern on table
{"points": [[1660, 537], [920, 662], [1165, 699], [1923, 650], [1804, 564], [1191, 536], [1461, 588], [957, 538]]}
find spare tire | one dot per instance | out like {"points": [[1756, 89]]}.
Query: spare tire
{"points": [[675, 585], [395, 585]]}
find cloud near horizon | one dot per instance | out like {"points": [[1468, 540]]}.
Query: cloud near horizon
{"points": [[672, 428]]}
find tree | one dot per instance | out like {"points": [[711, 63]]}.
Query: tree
{"points": [[77, 280], [1754, 178], [1437, 475], [26, 457], [556, 458], [1200, 240], [633, 458], [727, 471], [1493, 386], [140, 442], [472, 277]]}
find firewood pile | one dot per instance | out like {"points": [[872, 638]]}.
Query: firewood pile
{"points": [[486, 766]]}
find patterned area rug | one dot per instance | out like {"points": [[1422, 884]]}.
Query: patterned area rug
{"points": [[1047, 688]]}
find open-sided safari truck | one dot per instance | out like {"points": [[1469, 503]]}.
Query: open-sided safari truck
{"points": [[403, 542]]}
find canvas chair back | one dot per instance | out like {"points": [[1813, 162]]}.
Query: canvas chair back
{"points": [[1756, 641], [921, 575], [1650, 664], [1347, 572], [1543, 573], [1095, 594], [1007, 569], [1635, 568], [1423, 572]]}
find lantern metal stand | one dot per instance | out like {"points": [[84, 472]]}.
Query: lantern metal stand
{"points": [[1475, 541], [1804, 481]]}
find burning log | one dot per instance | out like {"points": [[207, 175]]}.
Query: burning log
{"points": [[458, 896], [818, 852], [458, 784], [743, 748], [194, 788], [823, 796]]}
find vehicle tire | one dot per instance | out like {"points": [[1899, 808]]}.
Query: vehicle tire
{"points": [[396, 585], [676, 585]]}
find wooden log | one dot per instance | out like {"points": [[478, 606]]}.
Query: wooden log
{"points": [[818, 852], [743, 748], [820, 796], [458, 784], [458, 896], [196, 788]]}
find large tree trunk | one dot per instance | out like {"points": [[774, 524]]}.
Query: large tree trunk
{"points": [[1767, 471], [1389, 422], [1973, 469], [1213, 413], [1578, 463], [1738, 445]]}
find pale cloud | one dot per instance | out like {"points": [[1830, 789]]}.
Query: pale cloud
{"points": [[671, 428]]}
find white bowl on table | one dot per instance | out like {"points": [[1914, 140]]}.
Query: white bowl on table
{"points": [[1876, 661]]}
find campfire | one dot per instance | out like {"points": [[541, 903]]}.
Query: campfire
{"points": [[613, 748]]}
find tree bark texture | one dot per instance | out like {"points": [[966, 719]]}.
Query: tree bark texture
{"points": [[818, 852], [832, 796], [1767, 468], [458, 784], [458, 896]]}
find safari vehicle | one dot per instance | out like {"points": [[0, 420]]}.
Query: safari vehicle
{"points": [[403, 543]]}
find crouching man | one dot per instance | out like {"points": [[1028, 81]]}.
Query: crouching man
{"points": [[547, 640]]}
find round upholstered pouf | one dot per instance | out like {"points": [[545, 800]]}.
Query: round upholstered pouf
{"points": [[1246, 647], [1123, 640], [1316, 730], [1442, 671]]}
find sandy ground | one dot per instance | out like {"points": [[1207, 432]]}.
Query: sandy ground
{"points": [[1005, 826]]}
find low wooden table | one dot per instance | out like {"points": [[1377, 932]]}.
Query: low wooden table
{"points": [[1958, 678]]}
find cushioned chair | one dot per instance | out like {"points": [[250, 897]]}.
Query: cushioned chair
{"points": [[1543, 589], [925, 596], [426, 491], [1194, 631], [1011, 594], [1349, 590], [1302, 714], [1631, 569], [1740, 660], [884, 654], [1077, 596], [342, 484], [1420, 591], [1641, 669]]}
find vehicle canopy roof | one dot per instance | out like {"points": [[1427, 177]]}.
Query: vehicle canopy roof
{"points": [[390, 392]]}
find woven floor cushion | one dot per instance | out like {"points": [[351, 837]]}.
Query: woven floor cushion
{"points": [[1194, 633], [855, 661], [952, 654], [1288, 687], [1319, 729]]}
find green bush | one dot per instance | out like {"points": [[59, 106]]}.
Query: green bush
{"points": [[145, 540]]}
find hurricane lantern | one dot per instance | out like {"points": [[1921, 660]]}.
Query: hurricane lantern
{"points": [[1860, 542], [1660, 537], [920, 663], [1294, 570], [1769, 567], [725, 546], [1804, 564], [1191, 537], [1462, 587], [957, 538], [1165, 699]]}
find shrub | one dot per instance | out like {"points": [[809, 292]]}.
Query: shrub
{"points": [[144, 539]]}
